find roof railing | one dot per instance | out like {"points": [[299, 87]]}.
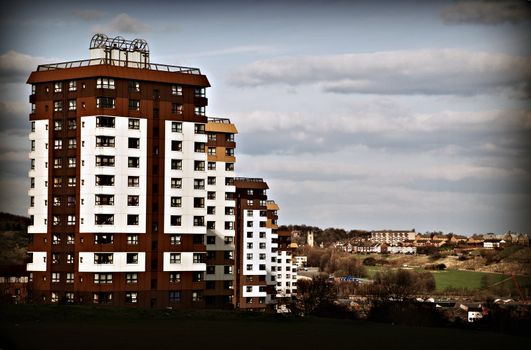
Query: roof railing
{"points": [[119, 63], [249, 179], [219, 120]]}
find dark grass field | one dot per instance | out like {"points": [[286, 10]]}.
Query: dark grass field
{"points": [[85, 327]]}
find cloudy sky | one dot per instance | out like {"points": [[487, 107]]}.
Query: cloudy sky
{"points": [[368, 114]]}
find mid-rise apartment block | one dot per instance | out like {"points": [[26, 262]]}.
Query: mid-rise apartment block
{"points": [[132, 187]]}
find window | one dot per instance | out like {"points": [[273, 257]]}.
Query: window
{"points": [[177, 108], [262, 256], [56, 277], [102, 298], [133, 201], [176, 183], [176, 202], [262, 267], [72, 143], [229, 137], [200, 110], [55, 258], [71, 162], [249, 267], [199, 202], [211, 151], [58, 125], [105, 83], [262, 235], [175, 258], [105, 141], [131, 278], [71, 181], [177, 127], [175, 220], [72, 124], [199, 165], [176, 164], [104, 180], [262, 245], [174, 296], [227, 269], [105, 122], [103, 258], [71, 105], [131, 297], [199, 147], [229, 152], [56, 239], [211, 195], [104, 160], [211, 240], [211, 165], [229, 166], [198, 258], [103, 278], [250, 245], [58, 87], [71, 201], [134, 86], [134, 124], [72, 86], [58, 163], [57, 182], [32, 164], [132, 219], [32, 182], [134, 105], [133, 162], [55, 297], [177, 90], [104, 219], [105, 102], [133, 142], [229, 211], [133, 181], [32, 201], [228, 240], [104, 199], [199, 221], [212, 137], [200, 92], [211, 210], [197, 277], [69, 277], [132, 239], [199, 128], [69, 258], [57, 144], [249, 224], [211, 180], [199, 184], [132, 258], [176, 146], [103, 238], [249, 256], [175, 239], [211, 225]]}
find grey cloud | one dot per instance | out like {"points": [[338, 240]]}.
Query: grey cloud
{"points": [[88, 15], [14, 117], [123, 23], [16, 66], [424, 72], [487, 12]]}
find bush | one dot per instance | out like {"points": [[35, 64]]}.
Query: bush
{"points": [[369, 261]]}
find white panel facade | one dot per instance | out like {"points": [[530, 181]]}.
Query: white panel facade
{"points": [[186, 263], [219, 274], [119, 263], [187, 175], [121, 172], [38, 263], [224, 222], [257, 250], [253, 291], [286, 274], [39, 177]]}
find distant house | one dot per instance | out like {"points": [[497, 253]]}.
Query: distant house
{"points": [[493, 243], [368, 247], [475, 242], [402, 249], [301, 260], [14, 283], [392, 237]]}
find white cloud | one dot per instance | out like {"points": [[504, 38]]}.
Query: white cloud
{"points": [[123, 23], [424, 72], [487, 12]]}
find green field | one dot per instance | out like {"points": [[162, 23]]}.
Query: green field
{"points": [[464, 279], [86, 327]]}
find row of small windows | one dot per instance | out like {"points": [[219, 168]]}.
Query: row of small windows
{"points": [[109, 83]]}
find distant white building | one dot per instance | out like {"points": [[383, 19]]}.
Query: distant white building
{"points": [[301, 260], [401, 250], [392, 237]]}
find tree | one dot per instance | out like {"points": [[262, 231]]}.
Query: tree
{"points": [[401, 284], [316, 294]]}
